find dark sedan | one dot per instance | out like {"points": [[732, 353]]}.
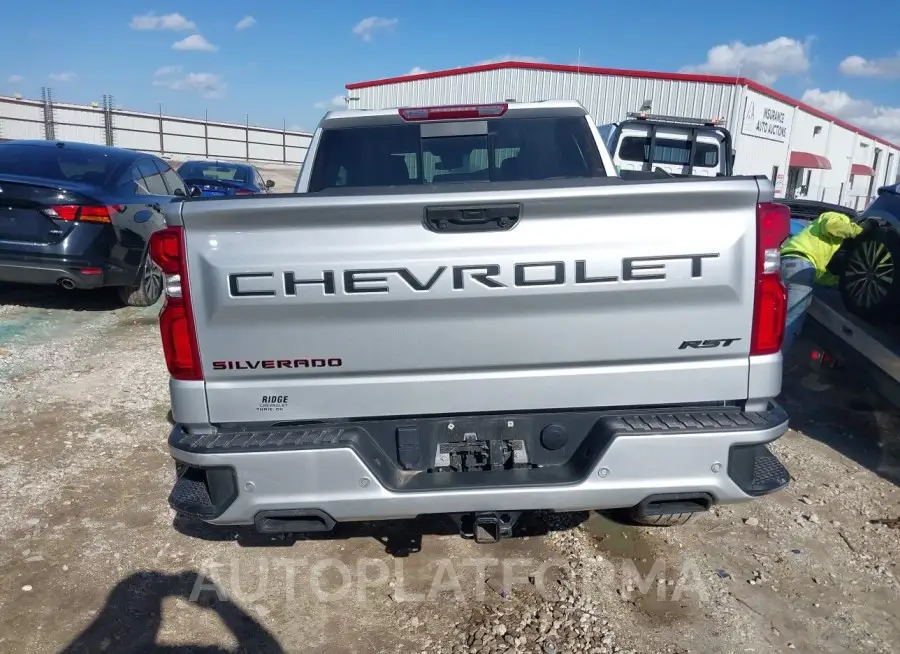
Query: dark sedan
{"points": [[80, 216], [222, 178]]}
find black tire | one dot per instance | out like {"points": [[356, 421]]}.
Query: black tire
{"points": [[148, 291], [673, 520], [869, 281], [632, 517]]}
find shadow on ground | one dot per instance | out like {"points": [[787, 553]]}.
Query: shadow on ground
{"points": [[400, 538], [52, 297], [830, 406], [131, 618]]}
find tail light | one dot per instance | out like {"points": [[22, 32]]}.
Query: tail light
{"points": [[176, 320], [81, 213], [822, 358], [453, 112], [244, 191], [773, 226]]}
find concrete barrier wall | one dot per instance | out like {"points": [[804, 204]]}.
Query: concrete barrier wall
{"points": [[160, 134]]}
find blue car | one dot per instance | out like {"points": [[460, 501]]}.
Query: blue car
{"points": [[219, 179]]}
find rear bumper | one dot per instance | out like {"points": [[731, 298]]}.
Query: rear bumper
{"points": [[89, 256], [232, 477], [50, 272]]}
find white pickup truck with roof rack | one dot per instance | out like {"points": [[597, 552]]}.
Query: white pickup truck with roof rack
{"points": [[679, 146], [464, 311]]}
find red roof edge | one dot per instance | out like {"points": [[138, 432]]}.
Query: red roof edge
{"points": [[862, 170], [592, 70]]}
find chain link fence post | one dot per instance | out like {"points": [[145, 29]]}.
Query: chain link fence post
{"points": [[108, 122], [49, 126]]}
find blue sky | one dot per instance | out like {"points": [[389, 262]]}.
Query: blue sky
{"points": [[287, 61]]}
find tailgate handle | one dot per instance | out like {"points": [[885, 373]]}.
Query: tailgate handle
{"points": [[477, 218]]}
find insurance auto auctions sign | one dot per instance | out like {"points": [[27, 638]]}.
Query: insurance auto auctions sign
{"points": [[766, 118]]}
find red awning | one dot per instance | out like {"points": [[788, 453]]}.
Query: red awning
{"points": [[809, 160], [862, 169]]}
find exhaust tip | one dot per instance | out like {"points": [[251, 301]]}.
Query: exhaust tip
{"points": [[66, 283], [299, 521], [674, 504]]}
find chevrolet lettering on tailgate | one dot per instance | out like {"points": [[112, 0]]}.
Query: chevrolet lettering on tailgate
{"points": [[492, 275]]}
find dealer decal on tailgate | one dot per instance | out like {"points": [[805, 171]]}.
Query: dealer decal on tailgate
{"points": [[273, 403], [270, 364]]}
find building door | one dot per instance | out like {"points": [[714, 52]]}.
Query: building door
{"points": [[778, 182], [874, 174], [793, 182]]}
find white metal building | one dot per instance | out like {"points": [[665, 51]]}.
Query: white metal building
{"points": [[804, 151]]}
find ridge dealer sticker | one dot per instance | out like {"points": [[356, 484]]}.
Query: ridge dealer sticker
{"points": [[272, 403]]}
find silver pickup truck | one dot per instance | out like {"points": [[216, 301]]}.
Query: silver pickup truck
{"points": [[464, 311]]}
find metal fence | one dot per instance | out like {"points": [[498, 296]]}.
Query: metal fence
{"points": [[843, 194], [105, 124]]}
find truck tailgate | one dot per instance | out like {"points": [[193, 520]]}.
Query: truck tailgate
{"points": [[603, 294]]}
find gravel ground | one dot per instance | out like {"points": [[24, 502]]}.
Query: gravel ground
{"points": [[93, 560]]}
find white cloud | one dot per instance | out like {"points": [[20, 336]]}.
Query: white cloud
{"points": [[835, 102], [368, 26], [195, 42], [878, 119], [337, 102], [765, 62], [167, 70], [245, 22], [15, 79], [885, 67], [150, 21], [62, 77], [209, 85], [416, 71], [511, 57]]}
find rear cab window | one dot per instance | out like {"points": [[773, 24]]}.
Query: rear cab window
{"points": [[676, 152], [506, 149]]}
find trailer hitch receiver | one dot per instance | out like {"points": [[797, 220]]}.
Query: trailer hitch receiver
{"points": [[487, 528]]}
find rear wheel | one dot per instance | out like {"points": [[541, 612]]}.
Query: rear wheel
{"points": [[148, 291], [869, 281], [672, 520], [633, 517]]}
